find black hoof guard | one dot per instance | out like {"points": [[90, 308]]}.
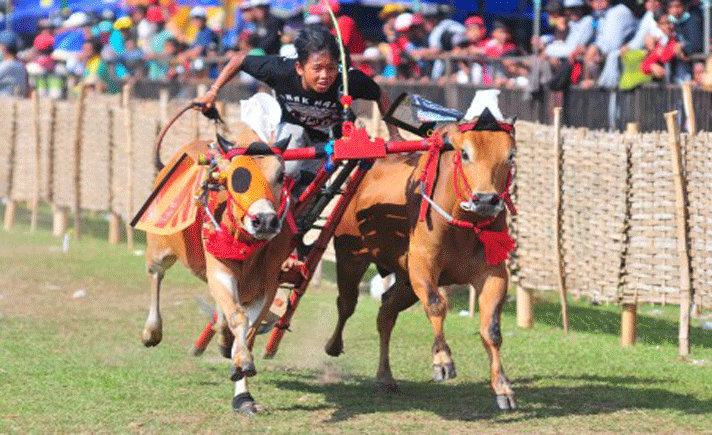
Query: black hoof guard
{"points": [[505, 402], [244, 404]]}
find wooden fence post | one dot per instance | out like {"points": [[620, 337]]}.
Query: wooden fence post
{"points": [[59, 220], [128, 124], [37, 155], [525, 308], [11, 204], [682, 234], [197, 116], [629, 315], [689, 109], [558, 163], [79, 115]]}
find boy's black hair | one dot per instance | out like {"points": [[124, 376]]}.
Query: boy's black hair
{"points": [[658, 14], [315, 39]]}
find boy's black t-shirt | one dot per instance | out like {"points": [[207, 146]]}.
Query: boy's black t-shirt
{"points": [[316, 112]]}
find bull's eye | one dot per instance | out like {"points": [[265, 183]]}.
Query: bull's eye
{"points": [[465, 156], [241, 179], [280, 177]]}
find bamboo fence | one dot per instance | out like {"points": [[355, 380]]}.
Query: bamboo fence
{"points": [[609, 223]]}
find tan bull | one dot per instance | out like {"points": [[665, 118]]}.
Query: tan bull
{"points": [[245, 207], [382, 226]]}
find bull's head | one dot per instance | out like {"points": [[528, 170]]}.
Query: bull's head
{"points": [[254, 185], [253, 180], [483, 164]]}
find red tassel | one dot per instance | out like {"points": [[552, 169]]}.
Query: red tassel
{"points": [[498, 245], [222, 244]]}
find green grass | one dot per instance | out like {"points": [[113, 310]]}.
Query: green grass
{"points": [[76, 365]]}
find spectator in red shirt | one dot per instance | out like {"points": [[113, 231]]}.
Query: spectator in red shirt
{"points": [[353, 40], [662, 54]]}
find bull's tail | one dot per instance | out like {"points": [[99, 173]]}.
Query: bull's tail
{"points": [[211, 113]]}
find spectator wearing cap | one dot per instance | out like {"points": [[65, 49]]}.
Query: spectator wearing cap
{"points": [[614, 26], [121, 45], [145, 28], [688, 28], [352, 38], [557, 25], [204, 36], [399, 58], [70, 38], [13, 76], [473, 45], [388, 15], [243, 21], [268, 28], [444, 34], [157, 69]]}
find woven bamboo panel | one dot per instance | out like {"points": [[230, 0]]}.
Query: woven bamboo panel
{"points": [[698, 164], [593, 196], [23, 178], [7, 143], [96, 140], [63, 155], [145, 128], [652, 268], [536, 242], [47, 119]]}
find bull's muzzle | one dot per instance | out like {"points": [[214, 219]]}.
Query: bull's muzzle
{"points": [[484, 204], [266, 223]]}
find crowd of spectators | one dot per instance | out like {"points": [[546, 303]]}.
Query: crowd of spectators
{"points": [[590, 43]]}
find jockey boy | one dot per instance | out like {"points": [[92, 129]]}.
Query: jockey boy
{"points": [[307, 89]]}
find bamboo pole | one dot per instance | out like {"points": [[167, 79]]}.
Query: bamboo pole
{"points": [[689, 109], [375, 120], [525, 308], [128, 124], [163, 97], [629, 321], [472, 303], [682, 235], [197, 117], [11, 204], [558, 162], [629, 315], [35, 206], [59, 220], [79, 115]]}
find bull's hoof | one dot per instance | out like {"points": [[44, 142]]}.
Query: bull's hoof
{"points": [[151, 338], [247, 369], [244, 404], [442, 372], [505, 402], [334, 347]]}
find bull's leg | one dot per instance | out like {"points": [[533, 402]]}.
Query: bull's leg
{"points": [[223, 287], [491, 299], [349, 271], [242, 400], [157, 264], [424, 278], [396, 299], [225, 337]]}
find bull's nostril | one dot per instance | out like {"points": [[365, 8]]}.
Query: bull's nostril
{"points": [[274, 222], [494, 200]]}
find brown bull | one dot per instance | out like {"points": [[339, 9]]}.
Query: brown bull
{"points": [[382, 226], [244, 203]]}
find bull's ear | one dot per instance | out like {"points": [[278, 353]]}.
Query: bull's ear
{"points": [[283, 143], [486, 122]]}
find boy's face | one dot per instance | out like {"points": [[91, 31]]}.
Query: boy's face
{"points": [[666, 26], [676, 8], [652, 5], [319, 72], [500, 34], [170, 49], [599, 5], [474, 33]]}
